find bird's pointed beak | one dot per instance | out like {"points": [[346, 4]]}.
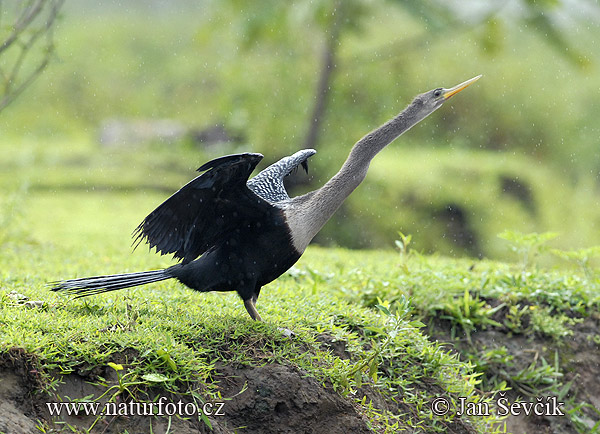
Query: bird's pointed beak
{"points": [[453, 91]]}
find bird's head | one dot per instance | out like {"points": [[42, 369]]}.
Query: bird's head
{"points": [[428, 102]]}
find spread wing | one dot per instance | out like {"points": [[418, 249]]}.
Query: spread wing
{"points": [[268, 184], [202, 212]]}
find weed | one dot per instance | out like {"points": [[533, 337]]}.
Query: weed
{"points": [[402, 245], [470, 313], [515, 317]]}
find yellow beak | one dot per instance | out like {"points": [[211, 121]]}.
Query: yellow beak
{"points": [[453, 91]]}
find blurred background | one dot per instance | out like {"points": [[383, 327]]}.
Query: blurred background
{"points": [[112, 105]]}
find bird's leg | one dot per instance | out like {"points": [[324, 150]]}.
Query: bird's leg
{"points": [[251, 308]]}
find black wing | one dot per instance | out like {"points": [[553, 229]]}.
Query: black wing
{"points": [[268, 184], [206, 209]]}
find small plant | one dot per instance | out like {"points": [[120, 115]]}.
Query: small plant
{"points": [[514, 318], [555, 325], [402, 245], [537, 379], [470, 312], [125, 383], [527, 246], [370, 364], [581, 258], [492, 362]]}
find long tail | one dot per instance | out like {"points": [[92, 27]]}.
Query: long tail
{"points": [[99, 284]]}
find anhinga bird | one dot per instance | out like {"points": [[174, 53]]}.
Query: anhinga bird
{"points": [[232, 233]]}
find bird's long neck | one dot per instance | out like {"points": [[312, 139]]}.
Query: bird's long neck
{"points": [[310, 212]]}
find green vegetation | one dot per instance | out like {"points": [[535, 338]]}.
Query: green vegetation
{"points": [[518, 152]]}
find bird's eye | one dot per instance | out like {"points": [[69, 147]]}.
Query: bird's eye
{"points": [[437, 93]]}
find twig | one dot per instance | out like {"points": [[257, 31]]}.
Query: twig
{"points": [[13, 86]]}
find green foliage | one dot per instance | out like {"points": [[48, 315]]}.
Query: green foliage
{"points": [[537, 379], [502, 372], [469, 313], [464, 301], [202, 69], [555, 325]]}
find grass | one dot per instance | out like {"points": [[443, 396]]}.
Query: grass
{"points": [[179, 336]]}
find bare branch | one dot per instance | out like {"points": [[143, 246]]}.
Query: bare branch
{"points": [[28, 47], [28, 14]]}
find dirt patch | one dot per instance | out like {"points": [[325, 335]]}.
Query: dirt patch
{"points": [[282, 399], [24, 410], [268, 399], [19, 379]]}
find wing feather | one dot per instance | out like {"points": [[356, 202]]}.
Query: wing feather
{"points": [[203, 211], [268, 184]]}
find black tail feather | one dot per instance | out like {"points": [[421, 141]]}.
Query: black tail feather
{"points": [[99, 284]]}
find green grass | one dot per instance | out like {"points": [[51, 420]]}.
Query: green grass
{"points": [[180, 335]]}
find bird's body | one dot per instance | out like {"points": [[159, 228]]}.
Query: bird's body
{"points": [[232, 233]]}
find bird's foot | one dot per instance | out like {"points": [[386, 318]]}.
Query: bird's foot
{"points": [[286, 332]]}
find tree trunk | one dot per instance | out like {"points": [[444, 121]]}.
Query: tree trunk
{"points": [[325, 78]]}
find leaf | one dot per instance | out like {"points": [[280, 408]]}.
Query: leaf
{"points": [[373, 368], [344, 381], [205, 419], [166, 357], [358, 379], [376, 330], [383, 309], [467, 299], [416, 324], [155, 378], [115, 366]]}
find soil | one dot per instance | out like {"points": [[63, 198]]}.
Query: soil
{"points": [[282, 399], [268, 399]]}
